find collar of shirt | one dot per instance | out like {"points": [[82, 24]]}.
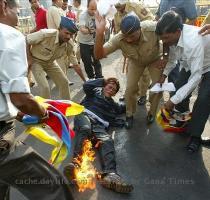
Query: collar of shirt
{"points": [[180, 42], [55, 5]]}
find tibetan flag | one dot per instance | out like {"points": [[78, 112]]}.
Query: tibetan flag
{"points": [[59, 153], [66, 107], [167, 121], [57, 121]]}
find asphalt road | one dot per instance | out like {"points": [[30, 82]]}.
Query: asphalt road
{"points": [[153, 161]]}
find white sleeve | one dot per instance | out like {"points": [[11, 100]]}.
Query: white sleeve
{"points": [[196, 64], [14, 69]]}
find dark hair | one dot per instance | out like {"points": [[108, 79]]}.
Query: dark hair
{"points": [[64, 1], [170, 22], [181, 13], [113, 80], [12, 3]]}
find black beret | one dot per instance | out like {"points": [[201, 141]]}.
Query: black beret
{"points": [[68, 24], [129, 24]]}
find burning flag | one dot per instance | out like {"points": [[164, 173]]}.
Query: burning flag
{"points": [[85, 174]]}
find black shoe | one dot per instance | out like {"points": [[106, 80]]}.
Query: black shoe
{"points": [[150, 119], [122, 98], [129, 122], [193, 145], [114, 182], [142, 100], [71, 83]]}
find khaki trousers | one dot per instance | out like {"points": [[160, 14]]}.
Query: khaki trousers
{"points": [[63, 63], [144, 83], [56, 75], [134, 74]]}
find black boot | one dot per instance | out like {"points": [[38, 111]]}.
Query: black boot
{"points": [[129, 122]]}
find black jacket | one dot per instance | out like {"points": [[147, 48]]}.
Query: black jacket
{"points": [[106, 108]]}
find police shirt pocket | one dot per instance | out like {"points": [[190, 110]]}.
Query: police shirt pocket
{"points": [[45, 51]]}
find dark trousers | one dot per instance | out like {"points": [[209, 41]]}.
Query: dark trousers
{"points": [[201, 108], [85, 129], [28, 172], [92, 66], [182, 80], [174, 74]]}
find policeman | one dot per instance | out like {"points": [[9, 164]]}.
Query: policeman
{"points": [[54, 15], [48, 45], [141, 46], [123, 8]]}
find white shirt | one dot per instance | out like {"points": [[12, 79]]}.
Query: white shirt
{"points": [[193, 51], [13, 69]]}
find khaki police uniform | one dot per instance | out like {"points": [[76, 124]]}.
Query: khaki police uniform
{"points": [[54, 14], [45, 50], [144, 14], [140, 56], [139, 9]]}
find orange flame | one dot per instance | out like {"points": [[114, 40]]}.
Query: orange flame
{"points": [[85, 174]]}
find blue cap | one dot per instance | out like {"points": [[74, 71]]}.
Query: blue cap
{"points": [[129, 24], [68, 24]]}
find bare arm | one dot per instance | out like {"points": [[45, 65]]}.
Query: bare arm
{"points": [[26, 104], [29, 55], [78, 70], [205, 30], [99, 50], [84, 30]]}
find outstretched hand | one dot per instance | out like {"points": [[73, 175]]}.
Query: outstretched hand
{"points": [[100, 23], [205, 30]]}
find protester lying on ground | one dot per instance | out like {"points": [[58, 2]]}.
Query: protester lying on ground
{"points": [[101, 113]]}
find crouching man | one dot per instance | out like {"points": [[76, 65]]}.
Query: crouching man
{"points": [[100, 113], [193, 51]]}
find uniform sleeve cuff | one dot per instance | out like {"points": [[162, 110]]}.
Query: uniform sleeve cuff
{"points": [[17, 85]]}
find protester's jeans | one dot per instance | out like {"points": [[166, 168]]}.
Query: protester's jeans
{"points": [[29, 173], [92, 66], [201, 108], [86, 129], [182, 80]]}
